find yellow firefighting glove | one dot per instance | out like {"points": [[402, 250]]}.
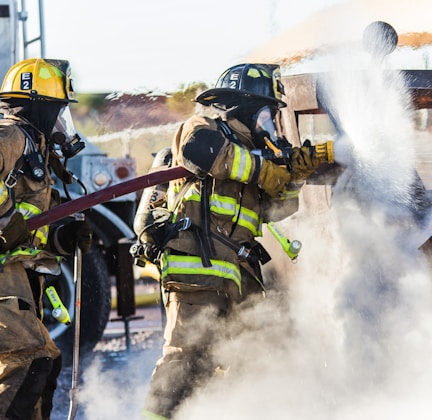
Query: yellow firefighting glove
{"points": [[302, 163], [273, 178], [68, 236], [14, 233]]}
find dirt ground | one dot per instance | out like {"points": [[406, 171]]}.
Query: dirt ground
{"points": [[115, 374]]}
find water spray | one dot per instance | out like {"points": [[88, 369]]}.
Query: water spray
{"points": [[380, 39]]}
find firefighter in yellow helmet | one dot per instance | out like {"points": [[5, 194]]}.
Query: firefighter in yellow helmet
{"points": [[211, 264], [36, 133]]}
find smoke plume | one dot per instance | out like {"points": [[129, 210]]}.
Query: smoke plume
{"points": [[348, 336], [345, 334]]}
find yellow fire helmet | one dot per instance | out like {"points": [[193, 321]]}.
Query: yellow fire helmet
{"points": [[39, 79]]}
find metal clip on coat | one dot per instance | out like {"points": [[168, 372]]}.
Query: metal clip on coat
{"points": [[59, 312], [291, 248]]}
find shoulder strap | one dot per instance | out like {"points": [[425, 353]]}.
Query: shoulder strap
{"points": [[182, 192], [16, 172], [226, 130], [202, 233], [204, 236]]}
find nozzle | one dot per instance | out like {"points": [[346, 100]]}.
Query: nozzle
{"points": [[59, 312], [324, 151]]}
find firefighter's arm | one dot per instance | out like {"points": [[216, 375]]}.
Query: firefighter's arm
{"points": [[272, 178], [12, 147], [65, 237], [14, 232], [204, 150], [303, 164], [207, 151]]}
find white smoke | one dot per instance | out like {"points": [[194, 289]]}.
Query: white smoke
{"points": [[117, 391], [350, 338], [346, 335]]}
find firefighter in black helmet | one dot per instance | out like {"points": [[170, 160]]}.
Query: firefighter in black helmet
{"points": [[36, 133], [212, 263]]}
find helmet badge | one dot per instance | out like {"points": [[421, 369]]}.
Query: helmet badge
{"points": [[26, 81], [234, 80]]}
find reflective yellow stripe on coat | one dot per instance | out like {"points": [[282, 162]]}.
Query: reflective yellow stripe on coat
{"points": [[27, 252], [247, 218], [242, 164], [4, 193], [192, 265], [228, 206], [29, 210]]}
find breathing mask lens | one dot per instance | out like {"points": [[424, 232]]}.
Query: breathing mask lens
{"points": [[65, 135], [265, 125]]}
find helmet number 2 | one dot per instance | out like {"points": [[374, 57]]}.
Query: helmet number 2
{"points": [[26, 81]]}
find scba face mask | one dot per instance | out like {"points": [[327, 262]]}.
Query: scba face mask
{"points": [[266, 127], [65, 136]]}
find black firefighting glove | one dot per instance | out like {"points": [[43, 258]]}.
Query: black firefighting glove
{"points": [[14, 233], [68, 236], [302, 163]]}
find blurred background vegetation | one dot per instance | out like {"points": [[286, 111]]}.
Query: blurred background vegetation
{"points": [[137, 124]]}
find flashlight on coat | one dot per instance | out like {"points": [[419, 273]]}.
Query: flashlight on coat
{"points": [[59, 312], [291, 248]]}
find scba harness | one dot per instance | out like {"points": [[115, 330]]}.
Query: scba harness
{"points": [[159, 227]]}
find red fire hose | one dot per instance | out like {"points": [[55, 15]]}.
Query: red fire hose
{"points": [[69, 208]]}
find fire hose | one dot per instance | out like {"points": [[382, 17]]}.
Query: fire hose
{"points": [[149, 180], [75, 207], [80, 204]]}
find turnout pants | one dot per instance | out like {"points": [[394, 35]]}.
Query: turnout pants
{"points": [[194, 322], [29, 360]]}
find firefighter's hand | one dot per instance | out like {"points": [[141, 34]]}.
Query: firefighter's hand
{"points": [[14, 233], [72, 234], [273, 178], [302, 163]]}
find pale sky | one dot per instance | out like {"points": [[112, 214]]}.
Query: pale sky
{"points": [[161, 44]]}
